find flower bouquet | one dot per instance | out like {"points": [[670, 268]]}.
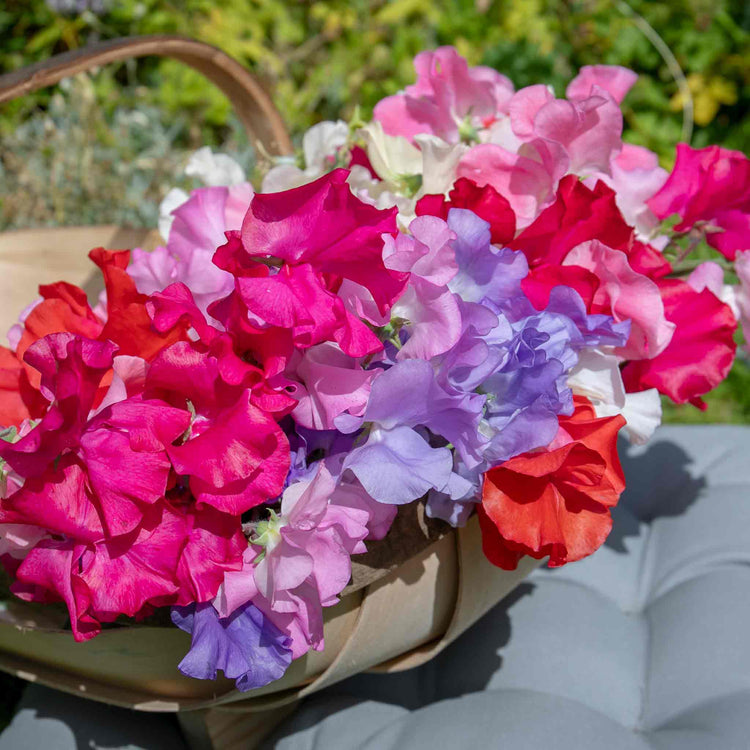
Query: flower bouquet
{"points": [[439, 318]]}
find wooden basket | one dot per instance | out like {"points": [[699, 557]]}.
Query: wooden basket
{"points": [[411, 594]]}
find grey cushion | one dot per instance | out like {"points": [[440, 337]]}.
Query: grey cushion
{"points": [[643, 645]]}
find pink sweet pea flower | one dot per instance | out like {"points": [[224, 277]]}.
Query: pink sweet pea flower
{"points": [[709, 185], [626, 295], [429, 307], [307, 562], [447, 91], [635, 175], [613, 79], [331, 383], [197, 230], [589, 129], [527, 179]]}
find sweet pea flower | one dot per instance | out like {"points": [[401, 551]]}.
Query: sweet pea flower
{"points": [[397, 464], [448, 97], [626, 295], [597, 377], [306, 557], [587, 128], [428, 309], [246, 646], [554, 502], [331, 383], [320, 147], [635, 176], [212, 169], [526, 178], [710, 275], [712, 186], [742, 268], [198, 228], [700, 353]]}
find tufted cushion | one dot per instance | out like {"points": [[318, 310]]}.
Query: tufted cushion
{"points": [[642, 646]]}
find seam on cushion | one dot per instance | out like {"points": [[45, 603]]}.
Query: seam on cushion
{"points": [[642, 603], [685, 712], [527, 691], [700, 567], [711, 463], [731, 565], [645, 569], [603, 595]]}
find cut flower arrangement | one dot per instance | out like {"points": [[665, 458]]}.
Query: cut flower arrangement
{"points": [[460, 303]]}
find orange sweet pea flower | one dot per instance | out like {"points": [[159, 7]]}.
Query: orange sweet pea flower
{"points": [[554, 502]]}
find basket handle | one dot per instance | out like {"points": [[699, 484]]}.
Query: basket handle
{"points": [[252, 104]]}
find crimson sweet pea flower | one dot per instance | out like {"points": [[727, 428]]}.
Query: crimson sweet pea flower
{"points": [[484, 201], [554, 502], [701, 351]]}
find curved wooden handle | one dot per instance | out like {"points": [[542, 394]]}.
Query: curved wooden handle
{"points": [[254, 107]]}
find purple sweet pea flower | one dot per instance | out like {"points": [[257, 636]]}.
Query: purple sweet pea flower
{"points": [[408, 395], [246, 646], [484, 270]]}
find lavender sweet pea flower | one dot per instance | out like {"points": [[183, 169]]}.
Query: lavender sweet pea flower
{"points": [[408, 395], [594, 330], [246, 646], [484, 271], [473, 359], [398, 465]]}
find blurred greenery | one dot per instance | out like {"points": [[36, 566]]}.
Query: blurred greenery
{"points": [[320, 59]]}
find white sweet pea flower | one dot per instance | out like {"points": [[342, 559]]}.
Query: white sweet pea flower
{"points": [[642, 412], [171, 201], [321, 143], [439, 162], [214, 170], [320, 146], [597, 377], [392, 157], [407, 172], [381, 194]]}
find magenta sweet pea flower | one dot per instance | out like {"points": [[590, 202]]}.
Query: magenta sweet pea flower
{"points": [[710, 185], [323, 226], [235, 454]]}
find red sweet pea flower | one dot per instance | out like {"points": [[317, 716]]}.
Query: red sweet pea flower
{"points": [[701, 351], [64, 308], [485, 202], [19, 400], [712, 185], [128, 323], [578, 215], [554, 502]]}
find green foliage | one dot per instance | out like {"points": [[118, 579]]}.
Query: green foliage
{"points": [[321, 59]]}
